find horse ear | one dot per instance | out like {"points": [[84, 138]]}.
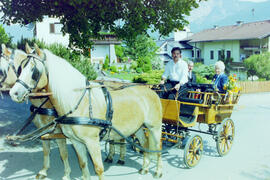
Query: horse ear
{"points": [[3, 47], [38, 51], [28, 50], [5, 50]]}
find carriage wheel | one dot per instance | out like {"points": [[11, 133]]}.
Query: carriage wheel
{"points": [[225, 137], [193, 151]]}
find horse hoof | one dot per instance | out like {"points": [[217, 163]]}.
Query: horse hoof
{"points": [[107, 160], [143, 171], [120, 162], [157, 175], [40, 176]]}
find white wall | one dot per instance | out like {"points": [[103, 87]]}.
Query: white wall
{"points": [[43, 32]]}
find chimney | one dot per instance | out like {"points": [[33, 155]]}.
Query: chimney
{"points": [[239, 23]]}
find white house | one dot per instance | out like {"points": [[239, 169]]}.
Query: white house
{"points": [[165, 46], [49, 31]]}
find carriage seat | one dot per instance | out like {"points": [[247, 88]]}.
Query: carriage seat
{"points": [[186, 113], [191, 100], [202, 87]]}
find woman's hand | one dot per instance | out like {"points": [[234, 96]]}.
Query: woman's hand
{"points": [[177, 86]]}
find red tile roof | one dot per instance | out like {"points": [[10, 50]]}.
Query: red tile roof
{"points": [[253, 30]]}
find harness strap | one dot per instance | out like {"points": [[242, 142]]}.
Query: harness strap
{"points": [[44, 111], [30, 118], [84, 121]]}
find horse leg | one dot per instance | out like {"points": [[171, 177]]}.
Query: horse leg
{"points": [[109, 159], [93, 146], [82, 157], [155, 144], [64, 156], [123, 149], [144, 143], [46, 160]]}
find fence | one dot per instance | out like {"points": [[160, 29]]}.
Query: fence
{"points": [[255, 86]]}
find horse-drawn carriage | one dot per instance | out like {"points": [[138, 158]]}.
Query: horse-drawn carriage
{"points": [[133, 104], [205, 106]]}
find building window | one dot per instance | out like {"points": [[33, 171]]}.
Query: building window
{"points": [[192, 53], [228, 54], [198, 53], [212, 54], [55, 28]]}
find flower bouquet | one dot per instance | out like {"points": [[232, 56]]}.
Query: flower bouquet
{"points": [[232, 89]]}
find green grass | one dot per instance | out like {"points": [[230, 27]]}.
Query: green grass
{"points": [[122, 75]]}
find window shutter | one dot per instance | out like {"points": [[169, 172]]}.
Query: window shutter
{"points": [[52, 28]]}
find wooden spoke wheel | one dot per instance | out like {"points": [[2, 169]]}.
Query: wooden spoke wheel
{"points": [[193, 151], [225, 136]]}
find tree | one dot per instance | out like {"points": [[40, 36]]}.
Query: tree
{"points": [[4, 38], [259, 65], [85, 19], [143, 50]]}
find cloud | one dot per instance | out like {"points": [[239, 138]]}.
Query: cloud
{"points": [[202, 11], [255, 1]]}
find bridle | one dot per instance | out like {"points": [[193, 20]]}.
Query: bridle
{"points": [[36, 73], [10, 61]]}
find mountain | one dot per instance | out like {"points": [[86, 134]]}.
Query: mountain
{"points": [[227, 12]]}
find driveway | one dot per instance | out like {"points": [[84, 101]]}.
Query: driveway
{"points": [[248, 159]]}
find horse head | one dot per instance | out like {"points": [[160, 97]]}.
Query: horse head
{"points": [[9, 63], [32, 76]]}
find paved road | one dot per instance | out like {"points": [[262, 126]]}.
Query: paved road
{"points": [[249, 158]]}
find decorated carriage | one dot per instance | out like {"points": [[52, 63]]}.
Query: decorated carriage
{"points": [[204, 106], [179, 117]]}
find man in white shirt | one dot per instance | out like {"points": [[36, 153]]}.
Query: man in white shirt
{"points": [[176, 72]]}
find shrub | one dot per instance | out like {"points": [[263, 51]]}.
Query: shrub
{"points": [[259, 65], [204, 71], [73, 57], [113, 69], [202, 80], [152, 77], [106, 64], [139, 70]]}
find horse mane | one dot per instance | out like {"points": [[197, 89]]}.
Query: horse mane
{"points": [[64, 81]]}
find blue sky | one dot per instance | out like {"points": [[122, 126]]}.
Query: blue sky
{"points": [[227, 12]]}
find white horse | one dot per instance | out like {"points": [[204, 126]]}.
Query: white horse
{"points": [[134, 107], [14, 58]]}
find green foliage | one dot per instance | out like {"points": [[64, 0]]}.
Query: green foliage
{"points": [[113, 69], [73, 57], [204, 71], [85, 19], [157, 63], [4, 38], [152, 77], [125, 67], [259, 65], [202, 80], [119, 51], [106, 64], [144, 63], [143, 50]]}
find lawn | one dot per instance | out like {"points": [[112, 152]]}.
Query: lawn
{"points": [[122, 75]]}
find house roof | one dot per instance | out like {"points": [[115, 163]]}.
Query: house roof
{"points": [[253, 30]]}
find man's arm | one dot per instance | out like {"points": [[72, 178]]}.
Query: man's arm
{"points": [[165, 74]]}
